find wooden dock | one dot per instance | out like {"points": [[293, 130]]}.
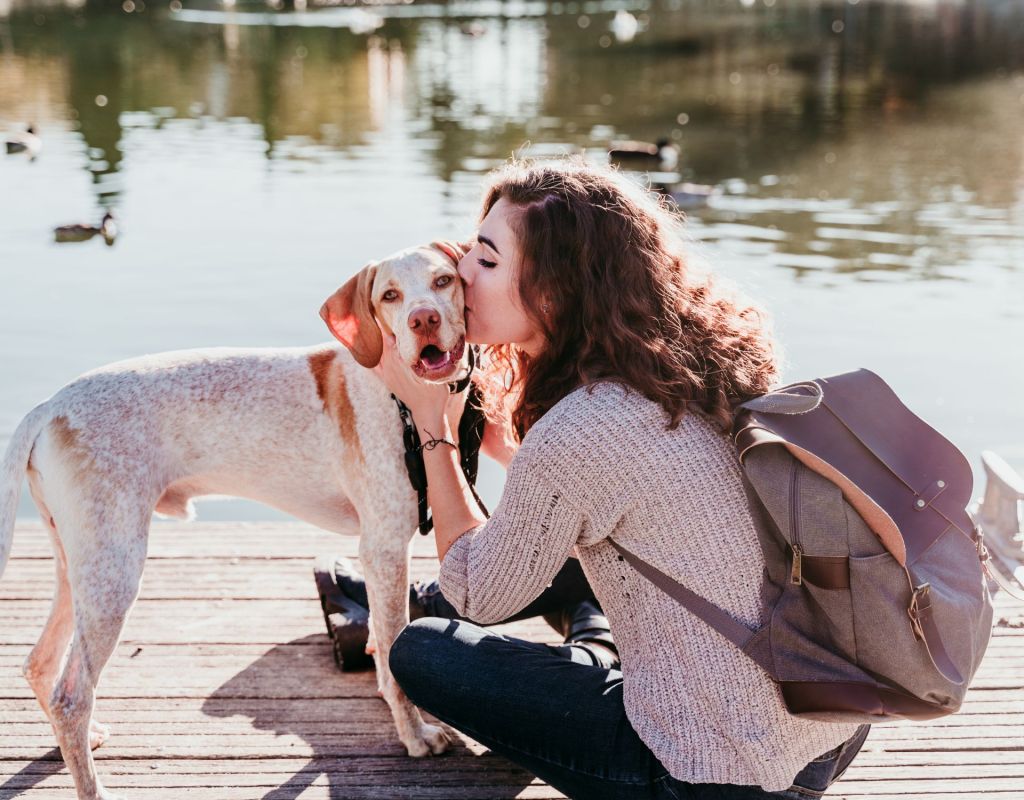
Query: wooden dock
{"points": [[223, 687]]}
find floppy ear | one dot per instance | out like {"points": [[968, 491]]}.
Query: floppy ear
{"points": [[454, 250], [349, 316]]}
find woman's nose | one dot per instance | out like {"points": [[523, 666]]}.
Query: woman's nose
{"points": [[465, 269]]}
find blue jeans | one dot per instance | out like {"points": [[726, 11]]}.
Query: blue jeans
{"points": [[550, 710]]}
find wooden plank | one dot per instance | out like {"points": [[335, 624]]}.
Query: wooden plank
{"points": [[233, 578], [319, 788], [267, 622], [463, 762], [352, 773], [200, 710], [257, 540]]}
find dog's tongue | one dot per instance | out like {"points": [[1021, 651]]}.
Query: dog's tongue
{"points": [[433, 357]]}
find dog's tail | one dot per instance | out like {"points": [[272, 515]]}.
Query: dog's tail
{"points": [[12, 473]]}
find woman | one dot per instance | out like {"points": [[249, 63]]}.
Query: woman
{"points": [[615, 369]]}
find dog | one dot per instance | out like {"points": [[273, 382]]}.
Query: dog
{"points": [[310, 431]]}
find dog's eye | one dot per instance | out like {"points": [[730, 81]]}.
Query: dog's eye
{"points": [[390, 296], [443, 281]]}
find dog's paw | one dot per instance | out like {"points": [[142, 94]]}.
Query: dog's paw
{"points": [[432, 739], [437, 738], [98, 734]]}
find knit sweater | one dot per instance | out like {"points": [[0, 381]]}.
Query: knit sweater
{"points": [[602, 463]]}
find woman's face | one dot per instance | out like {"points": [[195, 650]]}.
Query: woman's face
{"points": [[494, 312]]}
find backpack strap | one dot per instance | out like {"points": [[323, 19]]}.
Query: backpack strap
{"points": [[790, 400], [736, 632], [927, 631]]}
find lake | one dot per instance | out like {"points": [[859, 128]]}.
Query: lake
{"points": [[867, 160]]}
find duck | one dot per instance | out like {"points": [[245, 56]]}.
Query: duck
{"points": [[473, 29], [82, 233], [661, 155], [27, 142], [686, 196]]}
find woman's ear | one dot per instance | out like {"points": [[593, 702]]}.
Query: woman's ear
{"points": [[349, 316]]}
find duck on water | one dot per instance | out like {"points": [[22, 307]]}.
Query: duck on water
{"points": [[83, 232]]}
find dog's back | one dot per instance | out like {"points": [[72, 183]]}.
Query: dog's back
{"points": [[171, 426]]}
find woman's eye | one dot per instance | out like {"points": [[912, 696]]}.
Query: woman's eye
{"points": [[483, 262], [390, 295], [443, 281]]}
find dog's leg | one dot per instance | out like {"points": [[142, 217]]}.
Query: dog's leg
{"points": [[385, 563], [44, 661], [104, 569]]}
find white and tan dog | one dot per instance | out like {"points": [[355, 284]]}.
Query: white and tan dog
{"points": [[307, 430]]}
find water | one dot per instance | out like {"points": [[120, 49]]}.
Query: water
{"points": [[868, 160]]}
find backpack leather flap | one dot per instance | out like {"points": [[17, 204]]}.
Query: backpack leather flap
{"points": [[873, 515], [931, 467], [911, 474]]}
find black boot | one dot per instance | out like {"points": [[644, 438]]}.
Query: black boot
{"points": [[345, 605], [585, 625], [425, 599], [347, 617]]}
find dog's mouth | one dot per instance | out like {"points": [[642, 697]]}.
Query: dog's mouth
{"points": [[436, 364]]}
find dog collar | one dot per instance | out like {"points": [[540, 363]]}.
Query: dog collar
{"points": [[461, 384], [471, 433]]}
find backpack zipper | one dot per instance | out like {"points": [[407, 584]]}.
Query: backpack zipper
{"points": [[795, 574]]}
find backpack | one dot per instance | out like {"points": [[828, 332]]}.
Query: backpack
{"points": [[874, 598]]}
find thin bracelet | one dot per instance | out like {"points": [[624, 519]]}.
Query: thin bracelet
{"points": [[430, 444]]}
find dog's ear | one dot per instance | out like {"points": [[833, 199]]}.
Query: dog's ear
{"points": [[454, 250], [349, 316]]}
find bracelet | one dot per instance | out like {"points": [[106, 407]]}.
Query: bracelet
{"points": [[430, 444]]}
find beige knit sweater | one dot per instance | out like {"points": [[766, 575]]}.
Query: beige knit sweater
{"points": [[603, 463]]}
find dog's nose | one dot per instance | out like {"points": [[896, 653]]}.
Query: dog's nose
{"points": [[424, 320]]}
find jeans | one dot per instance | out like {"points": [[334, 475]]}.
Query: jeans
{"points": [[550, 710]]}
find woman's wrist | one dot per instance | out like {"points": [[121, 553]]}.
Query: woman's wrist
{"points": [[433, 427]]}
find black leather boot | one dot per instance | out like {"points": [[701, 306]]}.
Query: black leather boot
{"points": [[585, 625], [347, 619], [345, 604], [425, 599], [344, 601]]}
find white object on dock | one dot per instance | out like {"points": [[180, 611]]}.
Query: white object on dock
{"points": [[998, 513]]}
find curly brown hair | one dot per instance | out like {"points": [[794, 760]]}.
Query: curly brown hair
{"points": [[603, 274]]}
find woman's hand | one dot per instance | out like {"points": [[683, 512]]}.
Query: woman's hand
{"points": [[428, 402]]}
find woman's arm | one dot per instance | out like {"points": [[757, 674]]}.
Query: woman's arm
{"points": [[452, 505], [490, 569], [500, 567]]}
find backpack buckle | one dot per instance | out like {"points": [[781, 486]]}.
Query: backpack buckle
{"points": [[979, 543], [920, 603]]}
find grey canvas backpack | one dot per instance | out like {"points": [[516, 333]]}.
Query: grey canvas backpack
{"points": [[875, 603]]}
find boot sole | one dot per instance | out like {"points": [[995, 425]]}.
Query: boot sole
{"points": [[348, 623]]}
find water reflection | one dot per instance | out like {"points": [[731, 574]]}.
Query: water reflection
{"points": [[754, 86]]}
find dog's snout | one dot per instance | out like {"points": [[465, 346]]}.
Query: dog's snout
{"points": [[424, 320]]}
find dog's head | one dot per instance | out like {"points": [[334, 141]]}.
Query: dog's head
{"points": [[416, 295]]}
